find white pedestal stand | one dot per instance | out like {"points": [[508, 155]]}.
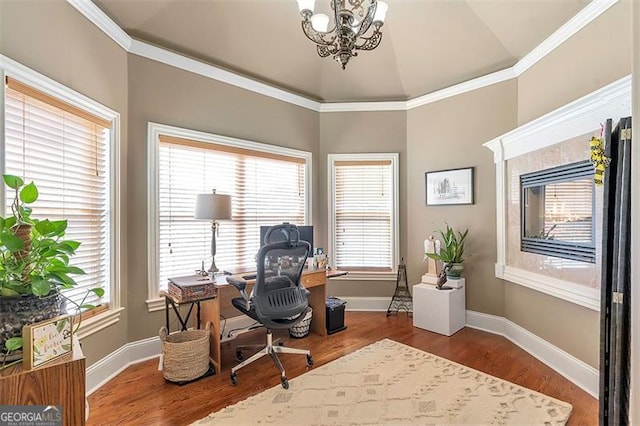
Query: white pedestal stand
{"points": [[440, 311]]}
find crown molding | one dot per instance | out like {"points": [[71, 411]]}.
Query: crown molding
{"points": [[464, 87], [177, 60], [140, 48], [100, 19], [588, 14]]}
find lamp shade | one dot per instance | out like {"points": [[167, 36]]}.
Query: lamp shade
{"points": [[213, 206]]}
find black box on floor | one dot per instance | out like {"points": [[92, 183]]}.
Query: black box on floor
{"points": [[335, 315]]}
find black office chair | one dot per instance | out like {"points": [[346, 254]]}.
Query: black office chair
{"points": [[278, 299]]}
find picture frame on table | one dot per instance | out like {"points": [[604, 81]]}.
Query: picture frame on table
{"points": [[450, 187], [46, 340]]}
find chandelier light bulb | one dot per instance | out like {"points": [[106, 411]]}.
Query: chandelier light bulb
{"points": [[320, 22], [306, 5], [381, 12]]}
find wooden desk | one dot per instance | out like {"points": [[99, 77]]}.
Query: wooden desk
{"points": [[314, 280], [58, 382]]}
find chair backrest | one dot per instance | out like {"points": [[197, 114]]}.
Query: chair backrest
{"points": [[279, 298]]}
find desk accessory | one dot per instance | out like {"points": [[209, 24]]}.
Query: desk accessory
{"points": [[191, 287], [213, 207]]}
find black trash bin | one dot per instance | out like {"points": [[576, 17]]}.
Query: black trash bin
{"points": [[335, 315]]}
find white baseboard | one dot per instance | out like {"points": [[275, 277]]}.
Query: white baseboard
{"points": [[575, 370], [110, 366]]}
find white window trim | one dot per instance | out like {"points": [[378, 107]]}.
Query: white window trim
{"points": [[14, 69], [574, 119], [154, 131], [395, 241]]}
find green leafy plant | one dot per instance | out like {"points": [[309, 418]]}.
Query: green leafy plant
{"points": [[34, 256], [452, 250]]}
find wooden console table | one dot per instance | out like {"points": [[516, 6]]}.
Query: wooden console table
{"points": [[59, 382]]}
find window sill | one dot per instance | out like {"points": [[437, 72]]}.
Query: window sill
{"points": [[156, 304], [98, 322], [368, 276]]}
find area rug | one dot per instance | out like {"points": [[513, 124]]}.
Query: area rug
{"points": [[388, 383]]}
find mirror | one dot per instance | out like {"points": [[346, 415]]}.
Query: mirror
{"points": [[557, 212]]}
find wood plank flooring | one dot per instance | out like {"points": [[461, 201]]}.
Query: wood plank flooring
{"points": [[140, 395]]}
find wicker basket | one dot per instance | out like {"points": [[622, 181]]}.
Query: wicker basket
{"points": [[185, 354], [301, 329]]}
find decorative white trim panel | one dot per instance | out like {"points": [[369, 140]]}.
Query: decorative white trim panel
{"points": [[566, 290], [136, 47], [575, 370], [574, 119]]}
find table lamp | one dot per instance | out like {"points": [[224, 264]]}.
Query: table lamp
{"points": [[213, 207]]}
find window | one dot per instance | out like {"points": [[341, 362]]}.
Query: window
{"points": [[557, 212], [267, 184], [67, 152], [363, 213]]}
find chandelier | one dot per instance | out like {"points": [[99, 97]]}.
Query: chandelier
{"points": [[352, 20]]}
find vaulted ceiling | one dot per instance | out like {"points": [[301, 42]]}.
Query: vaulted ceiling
{"points": [[427, 45]]}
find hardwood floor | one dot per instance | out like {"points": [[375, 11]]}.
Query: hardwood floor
{"points": [[141, 396]]}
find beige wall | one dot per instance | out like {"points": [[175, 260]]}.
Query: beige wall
{"points": [[449, 134], [599, 54], [594, 57], [361, 132], [167, 95], [55, 40]]}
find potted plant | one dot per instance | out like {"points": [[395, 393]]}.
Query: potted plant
{"points": [[452, 251], [34, 267]]}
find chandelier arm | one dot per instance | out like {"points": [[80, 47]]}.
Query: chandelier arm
{"points": [[368, 20], [316, 36], [323, 51], [372, 42]]}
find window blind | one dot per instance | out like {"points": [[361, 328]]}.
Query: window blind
{"points": [[265, 189], [65, 151], [363, 207]]}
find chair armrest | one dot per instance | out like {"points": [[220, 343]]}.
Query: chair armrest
{"points": [[238, 283]]}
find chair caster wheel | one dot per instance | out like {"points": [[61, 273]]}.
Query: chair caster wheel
{"points": [[285, 382], [239, 356], [309, 360], [234, 379]]}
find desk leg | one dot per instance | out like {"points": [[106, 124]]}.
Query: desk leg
{"points": [[317, 301], [211, 313]]}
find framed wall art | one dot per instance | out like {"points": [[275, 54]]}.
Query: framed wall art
{"points": [[449, 187], [46, 340]]}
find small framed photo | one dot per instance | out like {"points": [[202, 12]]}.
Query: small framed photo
{"points": [[449, 187], [46, 340]]}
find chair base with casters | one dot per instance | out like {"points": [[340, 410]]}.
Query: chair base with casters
{"points": [[271, 350]]}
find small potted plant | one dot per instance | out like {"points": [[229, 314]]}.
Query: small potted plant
{"points": [[452, 251], [34, 267]]}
